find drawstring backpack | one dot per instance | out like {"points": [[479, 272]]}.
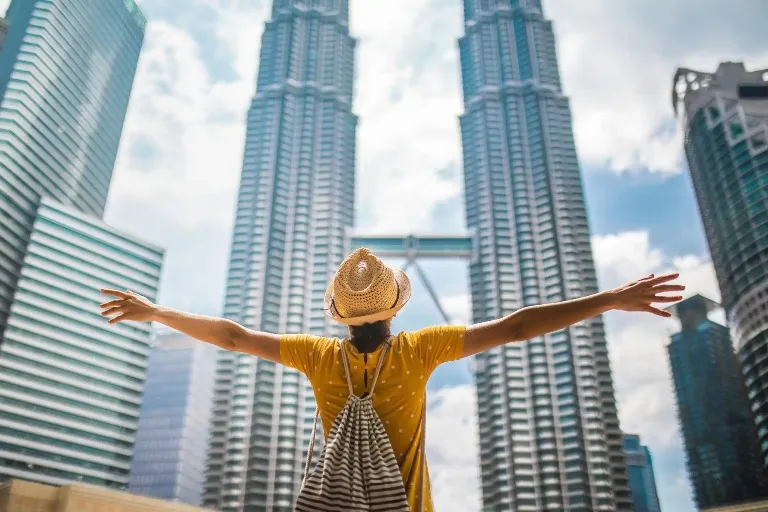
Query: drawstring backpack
{"points": [[357, 469]]}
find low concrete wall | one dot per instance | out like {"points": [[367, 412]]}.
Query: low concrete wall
{"points": [[758, 506], [20, 496]]}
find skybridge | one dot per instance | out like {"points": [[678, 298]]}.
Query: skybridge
{"points": [[413, 247]]}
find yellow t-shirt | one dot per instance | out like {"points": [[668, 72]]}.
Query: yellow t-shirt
{"points": [[399, 395]]}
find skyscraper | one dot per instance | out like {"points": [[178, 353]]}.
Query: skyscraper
{"points": [[725, 121], [721, 447], [66, 73], [174, 423], [549, 431], [71, 384], [295, 203], [641, 477]]}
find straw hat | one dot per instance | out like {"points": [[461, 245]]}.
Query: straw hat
{"points": [[365, 290]]}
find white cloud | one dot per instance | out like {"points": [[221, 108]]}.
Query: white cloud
{"points": [[183, 137], [457, 307], [408, 100], [180, 157], [452, 449], [618, 59]]}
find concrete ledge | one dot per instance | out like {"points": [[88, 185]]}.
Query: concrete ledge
{"points": [[21, 496], [756, 506]]}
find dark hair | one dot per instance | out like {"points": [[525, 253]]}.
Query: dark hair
{"points": [[367, 337]]}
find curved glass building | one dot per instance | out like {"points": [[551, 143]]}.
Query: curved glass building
{"points": [[295, 205], [549, 431], [725, 122], [66, 73]]}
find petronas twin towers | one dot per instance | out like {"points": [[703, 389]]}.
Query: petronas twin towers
{"points": [[549, 433]]}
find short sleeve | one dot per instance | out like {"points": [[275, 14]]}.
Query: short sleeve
{"points": [[438, 345], [302, 351]]}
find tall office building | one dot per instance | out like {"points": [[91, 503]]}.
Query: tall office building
{"points": [[70, 383], [66, 72], [174, 424], [721, 447], [295, 203], [641, 477], [549, 431], [725, 121]]}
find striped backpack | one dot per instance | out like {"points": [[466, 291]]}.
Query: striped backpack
{"points": [[357, 469]]}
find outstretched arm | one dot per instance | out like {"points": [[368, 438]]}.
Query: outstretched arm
{"points": [[221, 332], [533, 321]]}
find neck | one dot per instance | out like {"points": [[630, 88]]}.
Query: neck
{"points": [[365, 346]]}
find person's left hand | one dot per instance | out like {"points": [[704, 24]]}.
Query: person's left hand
{"points": [[128, 305], [641, 295]]}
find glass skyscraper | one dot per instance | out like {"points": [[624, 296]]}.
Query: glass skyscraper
{"points": [[295, 203], [174, 423], [725, 121], [66, 73], [721, 447], [548, 426], [70, 383], [641, 477]]}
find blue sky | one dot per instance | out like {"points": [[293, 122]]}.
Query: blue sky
{"points": [[178, 168]]}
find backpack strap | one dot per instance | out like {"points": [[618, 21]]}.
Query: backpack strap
{"points": [[378, 367], [311, 446], [345, 363], [420, 506]]}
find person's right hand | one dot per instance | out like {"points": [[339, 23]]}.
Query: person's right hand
{"points": [[127, 306]]}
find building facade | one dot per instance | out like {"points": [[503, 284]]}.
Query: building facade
{"points": [[66, 73], [725, 122], [174, 422], [295, 203], [549, 431], [722, 453], [70, 383], [641, 477]]}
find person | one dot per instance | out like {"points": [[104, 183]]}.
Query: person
{"points": [[366, 294]]}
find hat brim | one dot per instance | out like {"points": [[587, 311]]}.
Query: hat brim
{"points": [[404, 285]]}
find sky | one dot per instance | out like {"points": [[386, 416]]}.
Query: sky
{"points": [[178, 168]]}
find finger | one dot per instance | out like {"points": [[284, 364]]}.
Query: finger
{"points": [[657, 311], [668, 288], [667, 298], [115, 293], [112, 303], [112, 311], [665, 278], [118, 318]]}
